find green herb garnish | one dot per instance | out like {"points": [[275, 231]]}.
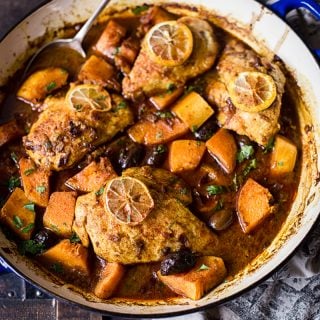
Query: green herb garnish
{"points": [[164, 114], [28, 228], [183, 191], [137, 10], [29, 171], [74, 238], [161, 149], [41, 189], [31, 247], [219, 205], [13, 182], [214, 190], [159, 135], [245, 153], [269, 146], [194, 128], [52, 85], [14, 157], [29, 206], [100, 191], [252, 165], [203, 267], [122, 105], [171, 87], [17, 222]]}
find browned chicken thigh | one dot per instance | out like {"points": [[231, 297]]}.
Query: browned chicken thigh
{"points": [[150, 78], [258, 126]]}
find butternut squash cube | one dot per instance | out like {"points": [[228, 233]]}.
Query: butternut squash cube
{"points": [[110, 277], [35, 181], [151, 133], [207, 273], [193, 110], [10, 131], [42, 83], [98, 71], [253, 205], [164, 100], [283, 156], [110, 39], [223, 148], [93, 177], [185, 155], [59, 214], [18, 214], [68, 256]]}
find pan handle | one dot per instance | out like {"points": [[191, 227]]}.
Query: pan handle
{"points": [[282, 7]]}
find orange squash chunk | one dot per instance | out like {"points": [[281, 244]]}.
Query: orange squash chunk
{"points": [[35, 182], [110, 277], [283, 156], [68, 256], [151, 133], [253, 205], [207, 273], [17, 215], [223, 148], [185, 155], [93, 176], [59, 214]]}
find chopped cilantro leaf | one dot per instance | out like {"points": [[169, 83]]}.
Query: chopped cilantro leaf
{"points": [[171, 87], [161, 149], [29, 171], [194, 128], [14, 157], [13, 182], [40, 189], [29, 206], [219, 205], [159, 135], [139, 9], [31, 247], [203, 267], [252, 165], [28, 228], [17, 222], [52, 85], [214, 190], [122, 105], [245, 153], [269, 146], [74, 238], [100, 191], [164, 114]]}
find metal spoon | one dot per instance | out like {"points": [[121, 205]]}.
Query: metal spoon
{"points": [[74, 43]]}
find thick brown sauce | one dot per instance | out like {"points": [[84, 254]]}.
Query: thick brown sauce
{"points": [[236, 248]]}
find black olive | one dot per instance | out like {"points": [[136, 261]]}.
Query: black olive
{"points": [[131, 155], [206, 131], [221, 219], [177, 262], [125, 153], [46, 238], [155, 156]]}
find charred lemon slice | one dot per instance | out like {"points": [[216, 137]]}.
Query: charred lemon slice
{"points": [[84, 96], [128, 199], [252, 91], [169, 43]]}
